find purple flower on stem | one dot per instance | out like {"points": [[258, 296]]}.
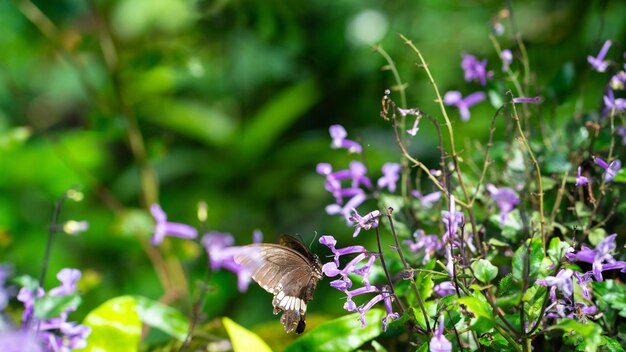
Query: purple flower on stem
{"points": [[454, 98], [610, 103], [452, 220], [418, 117], [583, 281], [27, 297], [618, 81], [391, 175], [221, 252], [345, 210], [430, 244], [68, 278], [580, 179], [610, 169], [522, 100], [562, 281], [474, 69], [439, 343], [330, 242], [598, 63], [506, 199], [600, 257], [384, 296], [445, 288], [507, 59], [370, 220], [428, 199], [356, 173], [339, 134], [164, 227]]}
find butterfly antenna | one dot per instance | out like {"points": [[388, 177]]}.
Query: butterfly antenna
{"points": [[313, 240]]}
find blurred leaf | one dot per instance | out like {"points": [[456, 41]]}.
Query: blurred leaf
{"points": [[482, 319], [611, 344], [14, 137], [561, 85], [192, 119], [48, 306], [341, 334], [620, 176], [378, 347], [275, 117], [597, 235], [531, 254], [557, 249], [115, 326], [556, 163], [585, 336], [613, 293], [484, 270], [162, 317], [26, 281], [242, 339]]}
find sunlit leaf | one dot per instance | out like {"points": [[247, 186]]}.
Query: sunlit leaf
{"points": [[115, 326], [242, 339], [341, 334]]}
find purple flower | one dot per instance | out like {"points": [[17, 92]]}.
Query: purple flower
{"points": [[356, 173], [428, 199], [475, 70], [391, 175], [507, 58], [339, 134], [5, 272], [581, 180], [454, 98], [522, 100], [68, 277], [418, 117], [330, 242], [600, 257], [430, 244], [445, 288], [598, 63], [27, 297], [345, 210], [164, 227], [19, 341], [452, 220], [439, 343], [221, 252], [610, 169], [610, 103], [583, 281], [370, 220], [562, 281], [384, 296], [618, 81], [506, 199]]}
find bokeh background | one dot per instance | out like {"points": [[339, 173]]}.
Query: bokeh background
{"points": [[229, 102]]}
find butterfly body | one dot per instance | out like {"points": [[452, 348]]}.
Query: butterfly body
{"points": [[289, 272]]}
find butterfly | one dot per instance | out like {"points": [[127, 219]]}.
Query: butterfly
{"points": [[288, 271]]}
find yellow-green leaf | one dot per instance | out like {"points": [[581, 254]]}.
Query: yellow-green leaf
{"points": [[243, 339]]}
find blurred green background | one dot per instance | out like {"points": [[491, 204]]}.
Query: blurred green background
{"points": [[229, 102]]}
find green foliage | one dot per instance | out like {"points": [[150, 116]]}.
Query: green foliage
{"points": [[341, 334], [243, 339], [613, 294], [527, 260], [52, 306], [484, 270]]}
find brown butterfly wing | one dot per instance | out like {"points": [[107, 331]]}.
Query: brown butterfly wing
{"points": [[287, 274]]}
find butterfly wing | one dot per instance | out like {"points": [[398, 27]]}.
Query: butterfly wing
{"points": [[285, 273]]}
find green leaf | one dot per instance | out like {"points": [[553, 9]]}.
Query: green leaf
{"points": [[611, 344], [557, 249], [242, 339], [620, 176], [48, 306], [115, 326], [597, 235], [530, 254], [276, 116], [162, 317], [341, 334], [613, 293], [378, 347], [26, 281], [584, 335], [482, 319], [484, 271]]}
